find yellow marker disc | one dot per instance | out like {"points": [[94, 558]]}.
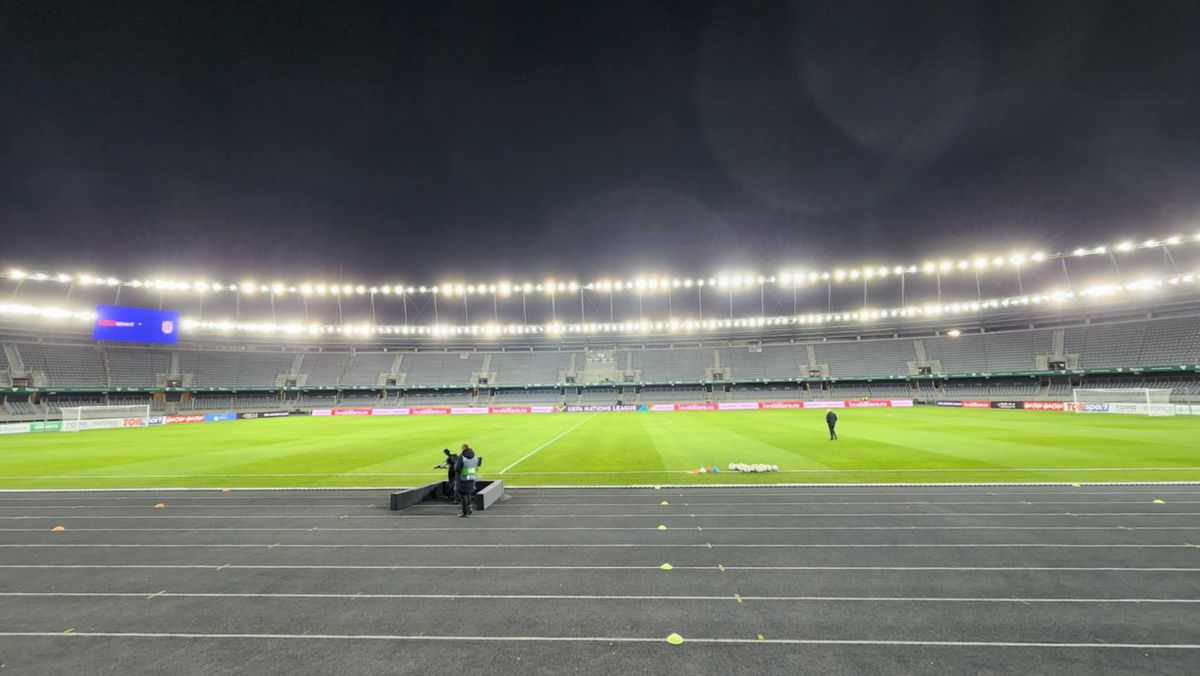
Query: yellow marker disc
{"points": [[1076, 486], [662, 526], [666, 566], [664, 502], [675, 639], [1159, 502]]}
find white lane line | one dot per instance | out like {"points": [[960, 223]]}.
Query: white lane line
{"points": [[560, 436], [658, 515], [559, 545], [652, 568], [509, 529], [77, 635], [814, 502], [93, 507], [593, 597]]}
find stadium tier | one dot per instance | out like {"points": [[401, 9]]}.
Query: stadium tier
{"points": [[38, 378]]}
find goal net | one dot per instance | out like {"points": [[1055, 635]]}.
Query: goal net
{"points": [[76, 418], [1133, 400]]}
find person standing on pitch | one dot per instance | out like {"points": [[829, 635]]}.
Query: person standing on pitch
{"points": [[831, 420], [451, 478], [467, 468]]}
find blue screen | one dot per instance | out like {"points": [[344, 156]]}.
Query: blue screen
{"points": [[135, 324]]}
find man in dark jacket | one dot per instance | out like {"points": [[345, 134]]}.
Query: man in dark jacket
{"points": [[451, 477], [467, 469], [831, 420]]}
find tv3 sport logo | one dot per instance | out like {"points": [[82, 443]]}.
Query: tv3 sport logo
{"points": [[168, 327]]}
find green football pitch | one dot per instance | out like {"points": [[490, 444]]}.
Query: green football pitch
{"points": [[876, 446]]}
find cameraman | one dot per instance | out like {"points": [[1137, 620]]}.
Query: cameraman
{"points": [[448, 465]]}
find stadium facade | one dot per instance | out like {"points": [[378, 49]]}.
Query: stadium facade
{"points": [[1015, 327]]}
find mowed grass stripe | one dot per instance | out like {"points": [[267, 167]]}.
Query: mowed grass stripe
{"points": [[876, 446]]}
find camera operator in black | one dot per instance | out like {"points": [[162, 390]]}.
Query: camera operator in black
{"points": [[451, 477], [466, 468]]}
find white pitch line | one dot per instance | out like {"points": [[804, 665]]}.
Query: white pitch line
{"points": [[651, 568], [576, 487], [474, 545], [632, 472], [76, 635], [593, 597], [560, 436]]}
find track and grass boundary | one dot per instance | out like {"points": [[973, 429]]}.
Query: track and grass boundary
{"points": [[1001, 484]]}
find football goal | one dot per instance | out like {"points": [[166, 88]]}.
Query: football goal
{"points": [[1132, 400], [76, 418]]}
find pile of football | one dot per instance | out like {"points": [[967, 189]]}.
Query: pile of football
{"points": [[743, 467]]}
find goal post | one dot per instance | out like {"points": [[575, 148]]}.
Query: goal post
{"points": [[1132, 400], [76, 418]]}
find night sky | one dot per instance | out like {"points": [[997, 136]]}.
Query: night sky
{"points": [[416, 140]]}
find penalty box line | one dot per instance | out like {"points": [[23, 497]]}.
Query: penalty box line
{"points": [[556, 438], [77, 635]]}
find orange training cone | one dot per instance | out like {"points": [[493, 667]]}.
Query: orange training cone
{"points": [[57, 529], [159, 505]]}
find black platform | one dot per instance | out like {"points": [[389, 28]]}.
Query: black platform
{"points": [[485, 495]]}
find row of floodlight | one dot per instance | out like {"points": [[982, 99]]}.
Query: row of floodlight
{"points": [[652, 284], [1053, 298]]}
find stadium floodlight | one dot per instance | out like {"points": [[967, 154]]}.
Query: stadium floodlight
{"points": [[248, 288], [1017, 259], [928, 267], [278, 288], [16, 274], [946, 266], [1173, 240], [1125, 246], [1038, 257]]}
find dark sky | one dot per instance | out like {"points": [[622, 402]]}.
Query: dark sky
{"points": [[516, 139]]}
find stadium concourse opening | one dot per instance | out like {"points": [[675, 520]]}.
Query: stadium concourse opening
{"points": [[840, 580]]}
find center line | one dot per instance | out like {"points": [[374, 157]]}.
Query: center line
{"points": [[560, 436]]}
